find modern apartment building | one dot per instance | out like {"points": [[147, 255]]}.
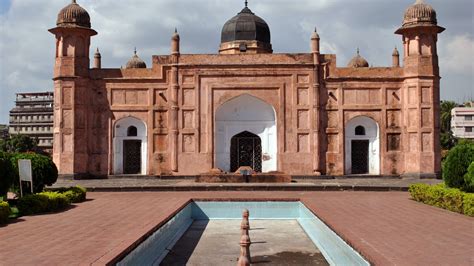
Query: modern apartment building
{"points": [[33, 116], [462, 122]]}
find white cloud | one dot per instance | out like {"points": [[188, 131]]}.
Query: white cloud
{"points": [[457, 54]]}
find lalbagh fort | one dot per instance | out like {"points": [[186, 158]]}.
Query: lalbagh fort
{"points": [[280, 114]]}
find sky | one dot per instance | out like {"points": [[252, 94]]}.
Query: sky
{"points": [[27, 48]]}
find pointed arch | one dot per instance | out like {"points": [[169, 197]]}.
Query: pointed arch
{"points": [[130, 146], [362, 146]]}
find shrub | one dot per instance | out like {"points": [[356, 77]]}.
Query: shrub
{"points": [[456, 164], [43, 168], [74, 194], [447, 198], [32, 204], [469, 179], [4, 212], [6, 173], [56, 201], [49, 201], [468, 204]]}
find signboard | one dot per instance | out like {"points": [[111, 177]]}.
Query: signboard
{"points": [[25, 173]]}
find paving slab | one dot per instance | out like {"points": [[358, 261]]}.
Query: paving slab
{"points": [[387, 228]]}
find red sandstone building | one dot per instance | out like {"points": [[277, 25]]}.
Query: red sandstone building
{"points": [[247, 106]]}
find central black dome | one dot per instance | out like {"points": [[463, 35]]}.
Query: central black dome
{"points": [[246, 26]]}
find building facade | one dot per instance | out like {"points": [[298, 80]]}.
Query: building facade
{"points": [[33, 116], [462, 122], [246, 106]]}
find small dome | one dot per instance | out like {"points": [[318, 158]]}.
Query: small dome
{"points": [[358, 61], [419, 13], [73, 15], [246, 26], [135, 62]]}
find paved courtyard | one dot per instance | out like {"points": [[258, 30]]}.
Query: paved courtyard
{"points": [[387, 228]]}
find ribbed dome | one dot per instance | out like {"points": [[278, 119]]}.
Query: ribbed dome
{"points": [[419, 13], [135, 62], [73, 15], [358, 61], [245, 26]]}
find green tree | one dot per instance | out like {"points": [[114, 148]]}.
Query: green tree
{"points": [[446, 107], [19, 143]]}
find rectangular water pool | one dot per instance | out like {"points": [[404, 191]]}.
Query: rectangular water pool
{"points": [[154, 249]]}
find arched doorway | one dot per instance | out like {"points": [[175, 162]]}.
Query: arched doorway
{"points": [[130, 146], [362, 146], [246, 150], [246, 113]]}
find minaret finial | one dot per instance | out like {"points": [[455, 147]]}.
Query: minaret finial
{"points": [[97, 51], [358, 51], [74, 1], [246, 3], [315, 29], [135, 50], [175, 30]]}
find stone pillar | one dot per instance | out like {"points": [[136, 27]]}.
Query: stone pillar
{"points": [[174, 130], [244, 258]]}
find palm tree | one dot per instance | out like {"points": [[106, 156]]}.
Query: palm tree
{"points": [[446, 107]]}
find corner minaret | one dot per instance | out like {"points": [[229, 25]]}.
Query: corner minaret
{"points": [[421, 89], [73, 34], [72, 105]]}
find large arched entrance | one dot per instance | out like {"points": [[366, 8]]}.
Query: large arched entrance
{"points": [[362, 146], [130, 146], [246, 118]]}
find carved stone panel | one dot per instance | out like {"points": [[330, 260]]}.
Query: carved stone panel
{"points": [[188, 119], [303, 79], [188, 79], [188, 97], [188, 143], [393, 97], [303, 119], [303, 143], [413, 118], [118, 97], [160, 98], [413, 95], [67, 119], [426, 117], [413, 142], [394, 119], [67, 143], [67, 96], [393, 142], [303, 96], [160, 119], [426, 142], [426, 95], [362, 96]]}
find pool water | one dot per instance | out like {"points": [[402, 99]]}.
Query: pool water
{"points": [[210, 227]]}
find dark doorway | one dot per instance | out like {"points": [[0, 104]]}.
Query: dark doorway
{"points": [[132, 159], [360, 156], [246, 150]]}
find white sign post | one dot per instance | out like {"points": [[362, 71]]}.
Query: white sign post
{"points": [[25, 173]]}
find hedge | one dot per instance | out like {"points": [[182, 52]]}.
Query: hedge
{"points": [[4, 212], [441, 196], [43, 168], [455, 167], [48, 201], [74, 194], [51, 201], [6, 173]]}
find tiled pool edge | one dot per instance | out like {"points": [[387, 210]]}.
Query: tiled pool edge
{"points": [[170, 231]]}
